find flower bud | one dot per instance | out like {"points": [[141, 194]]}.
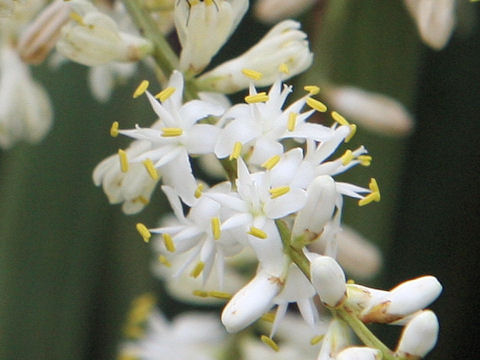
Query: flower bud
{"points": [[419, 335], [284, 44], [359, 353], [328, 279], [271, 11], [335, 340], [251, 301]]}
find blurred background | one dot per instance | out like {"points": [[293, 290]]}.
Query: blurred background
{"points": [[70, 263]]}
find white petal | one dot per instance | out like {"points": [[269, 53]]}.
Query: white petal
{"points": [[286, 204]]}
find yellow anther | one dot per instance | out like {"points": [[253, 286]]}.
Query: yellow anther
{"points": [[220, 295], [350, 281], [353, 130], [141, 88], [165, 94], [316, 339], [171, 132], [198, 191], [316, 105], [123, 160], [312, 89], [283, 68], [292, 121], [200, 293], [114, 129], [268, 317], [278, 191], [257, 233], [148, 163], [209, 2], [216, 231], [260, 97], [365, 160], [143, 231], [339, 118], [270, 163], [193, 2], [347, 157], [162, 259], [373, 196], [77, 18], [269, 341], [252, 74], [142, 199], [373, 185], [197, 270], [237, 149], [168, 241]]}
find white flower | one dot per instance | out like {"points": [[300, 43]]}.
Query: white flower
{"points": [[133, 187], [419, 335], [258, 127], [193, 336], [103, 78], [203, 27], [282, 52], [25, 109], [359, 353], [335, 340], [271, 11], [176, 135]]}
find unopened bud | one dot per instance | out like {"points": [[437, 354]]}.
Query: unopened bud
{"points": [[328, 279], [419, 335], [359, 353]]}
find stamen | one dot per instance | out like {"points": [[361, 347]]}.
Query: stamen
{"points": [[162, 259], [114, 129], [252, 74], [365, 160], [268, 317], [77, 18], [197, 270], [171, 132], [260, 97], [200, 293], [216, 228], [208, 2], [312, 89], [353, 130], [165, 94], [347, 157], [123, 160], [168, 241], [269, 341], [257, 233], [373, 196], [148, 163], [316, 339], [220, 295], [283, 68], [198, 191], [292, 121], [237, 149], [270, 163], [373, 185], [142, 199], [350, 281], [339, 118], [141, 89], [279, 191], [316, 105], [144, 232]]}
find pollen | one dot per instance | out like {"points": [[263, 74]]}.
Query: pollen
{"points": [[123, 160], [209, 2], [278, 191], [316, 339], [77, 18], [373, 196], [353, 130], [365, 160], [269, 341], [168, 241], [141, 89], [347, 157], [270, 163], [283, 68], [171, 132], [216, 231], [200, 293], [165, 94], [237, 149], [144, 232], [220, 295], [252, 74], [260, 97], [198, 191], [312, 89], [114, 129], [148, 163], [339, 118], [197, 270], [162, 259], [292, 121], [142, 199], [316, 105], [257, 233]]}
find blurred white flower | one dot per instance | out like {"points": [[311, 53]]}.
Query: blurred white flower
{"points": [[271, 11]]}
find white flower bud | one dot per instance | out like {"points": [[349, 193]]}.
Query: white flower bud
{"points": [[359, 353], [419, 335], [251, 301], [328, 279], [376, 112], [335, 340], [203, 27], [284, 44], [272, 11], [94, 39], [435, 20]]}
